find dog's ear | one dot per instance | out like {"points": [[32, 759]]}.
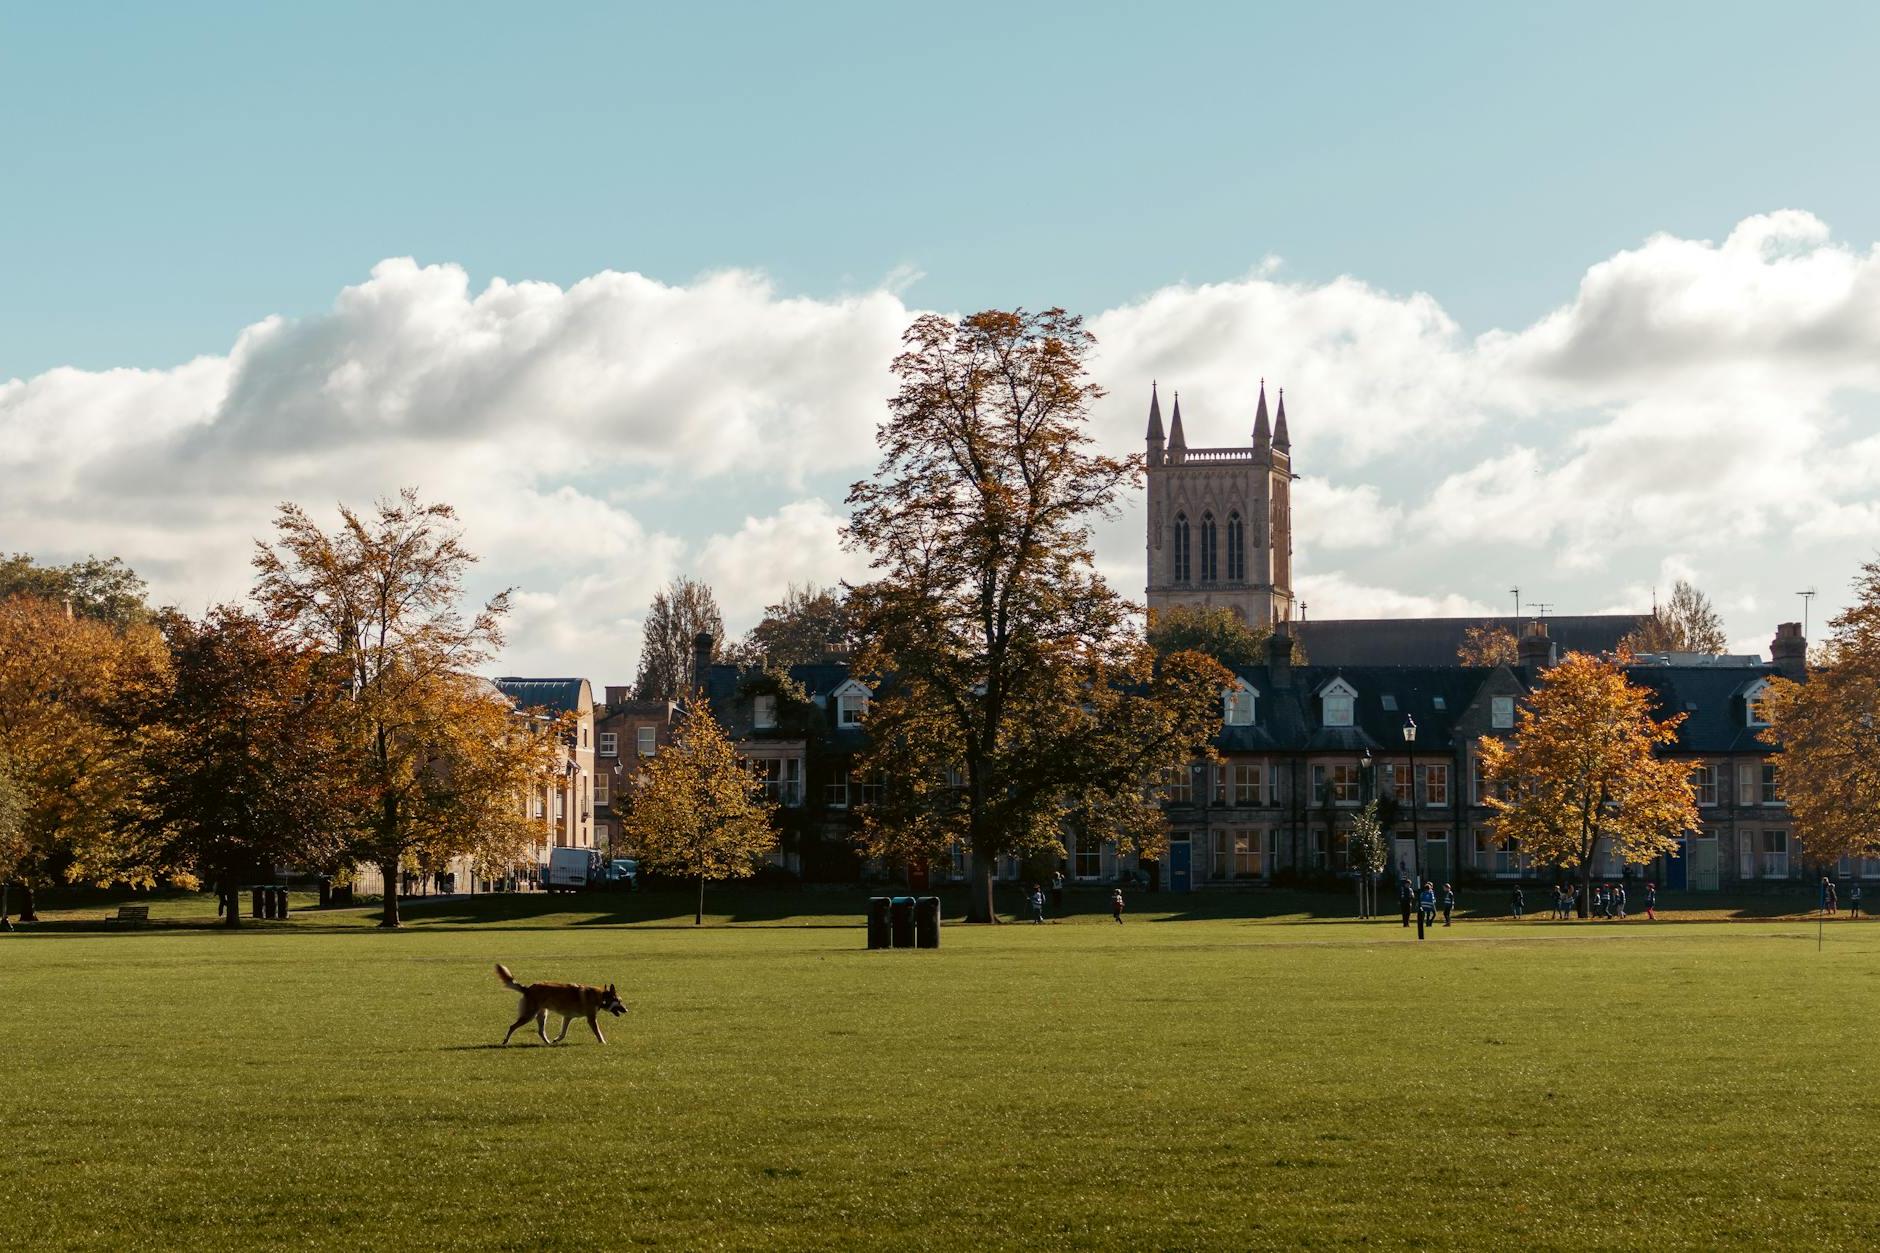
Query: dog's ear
{"points": [[610, 987]]}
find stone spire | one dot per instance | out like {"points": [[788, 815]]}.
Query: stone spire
{"points": [[1155, 415], [1262, 433], [1281, 441], [1177, 442]]}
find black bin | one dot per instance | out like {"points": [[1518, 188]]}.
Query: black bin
{"points": [[280, 902], [901, 921], [927, 922], [878, 922], [260, 904]]}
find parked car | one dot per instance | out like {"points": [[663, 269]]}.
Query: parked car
{"points": [[573, 869], [623, 874]]}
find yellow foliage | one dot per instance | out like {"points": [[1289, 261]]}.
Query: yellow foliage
{"points": [[697, 809]]}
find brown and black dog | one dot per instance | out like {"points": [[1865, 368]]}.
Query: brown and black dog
{"points": [[570, 1000]]}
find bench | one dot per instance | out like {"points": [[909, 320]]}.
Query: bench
{"points": [[132, 913]]}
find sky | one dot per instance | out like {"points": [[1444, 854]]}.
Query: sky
{"points": [[1580, 299]]}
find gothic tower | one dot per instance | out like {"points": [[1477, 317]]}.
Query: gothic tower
{"points": [[1220, 519]]}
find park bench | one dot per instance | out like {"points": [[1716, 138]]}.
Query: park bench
{"points": [[132, 913]]}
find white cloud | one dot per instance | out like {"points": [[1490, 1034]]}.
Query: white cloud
{"points": [[1326, 515], [1333, 594], [800, 543]]}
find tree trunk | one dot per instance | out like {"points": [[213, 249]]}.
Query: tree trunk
{"points": [[232, 897], [388, 870], [27, 912], [698, 915], [1586, 889], [981, 908]]}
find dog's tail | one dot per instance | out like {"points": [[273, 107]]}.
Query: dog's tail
{"points": [[502, 972]]}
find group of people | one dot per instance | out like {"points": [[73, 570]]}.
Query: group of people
{"points": [[1426, 902], [1607, 901], [1034, 897], [1831, 898]]}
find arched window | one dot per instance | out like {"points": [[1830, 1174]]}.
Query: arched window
{"points": [[1236, 549], [1207, 548], [1181, 548]]}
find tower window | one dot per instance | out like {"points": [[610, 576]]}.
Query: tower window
{"points": [[1236, 549], [1208, 544], [1181, 548]]}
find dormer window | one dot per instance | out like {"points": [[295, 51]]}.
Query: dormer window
{"points": [[1237, 705], [1753, 712], [851, 704], [1501, 713], [1338, 703], [764, 712]]}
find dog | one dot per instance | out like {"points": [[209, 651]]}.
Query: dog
{"points": [[570, 1000]]}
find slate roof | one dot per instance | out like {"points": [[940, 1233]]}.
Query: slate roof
{"points": [[1434, 641], [1288, 719], [561, 695], [1712, 702]]}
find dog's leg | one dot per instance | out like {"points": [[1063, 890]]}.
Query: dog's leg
{"points": [[541, 1026], [565, 1020], [594, 1024], [523, 1009]]}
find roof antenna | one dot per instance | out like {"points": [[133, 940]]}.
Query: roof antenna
{"points": [[1806, 597], [1517, 602]]}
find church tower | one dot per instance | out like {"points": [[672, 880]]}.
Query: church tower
{"points": [[1220, 519]]}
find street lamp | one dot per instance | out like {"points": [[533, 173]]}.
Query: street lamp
{"points": [[1367, 880], [1416, 841]]}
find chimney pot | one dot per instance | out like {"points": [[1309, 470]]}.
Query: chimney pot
{"points": [[1535, 650]]}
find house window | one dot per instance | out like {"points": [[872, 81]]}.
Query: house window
{"points": [[647, 739], [584, 737], [1088, 864], [1753, 711], [561, 803], [836, 791], [782, 778], [1221, 864], [764, 712], [1236, 548], [851, 707], [1247, 784], [1207, 548], [1771, 795], [1181, 548], [1246, 854], [1316, 855], [1775, 855], [1501, 712], [610, 743], [1237, 705], [541, 802], [1748, 782], [868, 790], [600, 789], [1336, 784], [1338, 709], [1704, 783], [1436, 784], [1180, 787]]}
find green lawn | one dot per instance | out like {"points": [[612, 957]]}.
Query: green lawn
{"points": [[1207, 1082]]}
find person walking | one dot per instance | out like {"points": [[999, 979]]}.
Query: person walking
{"points": [[1651, 902], [1449, 903], [1834, 898], [1853, 901], [1057, 891], [1116, 905], [1517, 902], [1406, 897], [1618, 900], [1037, 903], [1426, 904]]}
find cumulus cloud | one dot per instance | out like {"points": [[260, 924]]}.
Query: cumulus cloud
{"points": [[800, 543]]}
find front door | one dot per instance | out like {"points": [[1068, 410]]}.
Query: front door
{"points": [[1701, 874], [1674, 867], [1407, 857], [1178, 876]]}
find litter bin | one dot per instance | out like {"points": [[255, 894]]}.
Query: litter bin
{"points": [[878, 922], [280, 902], [260, 904], [901, 921], [927, 922]]}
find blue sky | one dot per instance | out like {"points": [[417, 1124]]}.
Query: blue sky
{"points": [[1508, 257]]}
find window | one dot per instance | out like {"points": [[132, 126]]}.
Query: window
{"points": [[1389, 702], [1236, 548], [1336, 784], [1247, 784], [1338, 704], [1088, 864], [868, 790], [647, 739], [1501, 712], [1180, 787], [1437, 702], [782, 778], [836, 791], [541, 802], [1498, 857], [1181, 548], [1315, 850], [1746, 855], [610, 743], [1436, 784], [600, 789], [1207, 548], [584, 736], [1753, 712], [1246, 855], [561, 803], [1221, 865], [1748, 783], [764, 712], [851, 708], [1704, 783], [1237, 705], [1775, 855], [1771, 795]]}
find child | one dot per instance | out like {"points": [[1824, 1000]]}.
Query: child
{"points": [[1651, 902], [1426, 904], [1517, 902], [1853, 901], [1449, 903], [1116, 905], [1037, 903], [1618, 901]]}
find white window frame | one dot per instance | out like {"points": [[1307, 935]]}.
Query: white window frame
{"points": [[646, 741], [1239, 705], [1752, 704], [1704, 784], [764, 711], [836, 791], [1771, 788], [1748, 784], [1338, 704], [600, 788], [1774, 850], [1087, 862], [1436, 784], [852, 701], [609, 744], [1247, 783], [1501, 713]]}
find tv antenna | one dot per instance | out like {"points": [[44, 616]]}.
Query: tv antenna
{"points": [[1542, 608], [1806, 597], [1516, 593]]}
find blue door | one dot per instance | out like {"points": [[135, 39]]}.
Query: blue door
{"points": [[1178, 876], [1674, 868]]}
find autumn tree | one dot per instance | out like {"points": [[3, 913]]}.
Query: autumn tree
{"points": [[12, 835], [100, 588], [1368, 850], [1582, 773], [1018, 698], [798, 630], [698, 810], [680, 613], [436, 763], [1215, 630], [1829, 767], [1487, 646], [72, 694], [240, 763], [1687, 623]]}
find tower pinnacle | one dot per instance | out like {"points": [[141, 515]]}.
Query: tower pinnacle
{"points": [[1262, 433], [1281, 440]]}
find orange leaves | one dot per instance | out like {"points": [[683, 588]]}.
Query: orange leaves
{"points": [[697, 809]]}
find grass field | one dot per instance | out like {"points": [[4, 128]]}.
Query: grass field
{"points": [[1213, 1082]]}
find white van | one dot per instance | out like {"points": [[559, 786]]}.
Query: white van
{"points": [[572, 869]]}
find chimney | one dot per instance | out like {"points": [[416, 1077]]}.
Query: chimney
{"points": [[618, 696], [1279, 659], [1789, 650], [701, 658], [1534, 649]]}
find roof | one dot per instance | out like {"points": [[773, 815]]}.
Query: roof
{"points": [[1711, 698], [561, 695], [1434, 641], [1288, 718]]}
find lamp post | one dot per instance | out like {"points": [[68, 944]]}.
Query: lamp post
{"points": [[1416, 840], [1367, 879]]}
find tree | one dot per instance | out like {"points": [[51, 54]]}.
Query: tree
{"points": [[1687, 623], [1368, 850], [1216, 631], [72, 692], [798, 630], [1829, 769], [13, 846], [1017, 698], [100, 588], [680, 614], [698, 809], [241, 765], [1582, 773], [436, 762], [1487, 646]]}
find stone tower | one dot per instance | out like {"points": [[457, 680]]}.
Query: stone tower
{"points": [[1220, 519]]}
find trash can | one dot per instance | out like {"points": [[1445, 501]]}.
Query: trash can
{"points": [[259, 903], [901, 921], [326, 891], [927, 922], [280, 902], [878, 922]]}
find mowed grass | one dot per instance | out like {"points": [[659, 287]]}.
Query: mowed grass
{"points": [[1204, 1083]]}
